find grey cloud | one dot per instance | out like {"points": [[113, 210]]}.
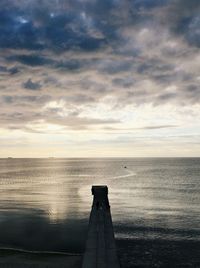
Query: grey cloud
{"points": [[85, 51], [71, 64], [193, 34], [51, 81], [123, 82], [32, 85], [31, 60], [3, 69], [23, 100], [162, 72], [115, 66], [166, 97], [80, 99], [59, 26], [14, 119], [37, 60], [6, 70], [7, 99], [14, 70], [94, 90], [191, 93], [90, 25], [154, 65], [193, 88], [182, 17], [140, 128], [76, 122], [185, 95], [21, 110], [17, 120], [159, 127]]}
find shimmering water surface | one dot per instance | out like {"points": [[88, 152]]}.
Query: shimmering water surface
{"points": [[155, 203]]}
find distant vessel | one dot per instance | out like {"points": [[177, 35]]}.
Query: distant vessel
{"points": [[125, 166]]}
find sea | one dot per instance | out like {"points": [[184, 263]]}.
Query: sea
{"points": [[155, 204]]}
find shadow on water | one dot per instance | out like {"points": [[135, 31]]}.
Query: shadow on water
{"points": [[158, 253], [35, 232]]}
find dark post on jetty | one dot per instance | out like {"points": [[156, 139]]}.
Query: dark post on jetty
{"points": [[100, 249]]}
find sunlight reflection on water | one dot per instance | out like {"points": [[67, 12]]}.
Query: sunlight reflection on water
{"points": [[148, 194]]}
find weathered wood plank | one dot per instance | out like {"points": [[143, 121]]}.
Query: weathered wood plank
{"points": [[100, 249]]}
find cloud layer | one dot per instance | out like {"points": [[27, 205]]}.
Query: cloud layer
{"points": [[91, 65]]}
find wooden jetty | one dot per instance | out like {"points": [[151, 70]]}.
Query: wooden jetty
{"points": [[100, 249]]}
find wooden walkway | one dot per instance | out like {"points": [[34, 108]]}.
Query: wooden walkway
{"points": [[100, 249]]}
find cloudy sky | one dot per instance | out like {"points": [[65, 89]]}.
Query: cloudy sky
{"points": [[83, 78]]}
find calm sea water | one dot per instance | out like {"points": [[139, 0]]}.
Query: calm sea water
{"points": [[155, 204]]}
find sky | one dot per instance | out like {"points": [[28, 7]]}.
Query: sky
{"points": [[99, 78]]}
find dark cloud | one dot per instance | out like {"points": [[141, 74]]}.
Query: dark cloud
{"points": [[17, 32], [70, 65], [88, 25], [36, 60], [31, 60], [182, 17], [14, 70], [17, 100], [86, 52], [193, 33], [3, 69], [189, 28], [148, 4], [32, 85], [61, 35], [44, 26]]}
